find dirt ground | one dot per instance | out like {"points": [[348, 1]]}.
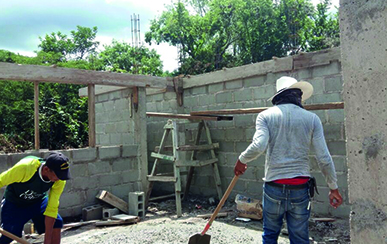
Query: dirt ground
{"points": [[161, 226]]}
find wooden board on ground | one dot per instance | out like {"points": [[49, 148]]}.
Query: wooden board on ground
{"points": [[113, 200], [323, 219], [117, 222], [77, 224], [209, 215]]}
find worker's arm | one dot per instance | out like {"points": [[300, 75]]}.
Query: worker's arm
{"points": [[48, 234], [256, 148], [259, 143], [325, 163], [53, 199], [20, 172]]}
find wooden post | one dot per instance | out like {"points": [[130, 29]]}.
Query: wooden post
{"points": [[36, 115], [91, 95]]}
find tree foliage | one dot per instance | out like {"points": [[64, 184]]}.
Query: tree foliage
{"points": [[228, 33]]}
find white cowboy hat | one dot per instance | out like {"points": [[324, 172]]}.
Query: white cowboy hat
{"points": [[285, 83]]}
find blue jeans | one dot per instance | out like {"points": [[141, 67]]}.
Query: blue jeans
{"points": [[294, 204], [14, 217]]}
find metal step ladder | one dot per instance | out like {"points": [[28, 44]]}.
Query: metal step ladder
{"points": [[172, 128]]}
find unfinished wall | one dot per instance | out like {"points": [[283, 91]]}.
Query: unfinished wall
{"points": [[115, 169], [248, 87], [363, 26]]}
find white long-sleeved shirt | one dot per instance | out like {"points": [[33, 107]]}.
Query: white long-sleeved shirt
{"points": [[287, 132]]}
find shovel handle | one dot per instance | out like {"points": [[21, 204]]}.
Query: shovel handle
{"points": [[220, 205], [12, 236]]}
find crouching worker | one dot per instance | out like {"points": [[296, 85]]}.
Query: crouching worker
{"points": [[26, 197]]}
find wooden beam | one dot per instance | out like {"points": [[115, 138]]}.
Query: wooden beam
{"points": [[326, 106], [162, 156], [36, 113], [91, 97], [162, 178], [113, 200], [41, 73], [188, 116]]}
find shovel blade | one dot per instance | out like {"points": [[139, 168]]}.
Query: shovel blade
{"points": [[199, 239]]}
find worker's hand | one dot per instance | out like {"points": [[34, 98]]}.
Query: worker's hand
{"points": [[335, 198], [239, 168]]}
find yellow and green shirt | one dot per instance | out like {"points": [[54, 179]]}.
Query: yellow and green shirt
{"points": [[25, 186]]}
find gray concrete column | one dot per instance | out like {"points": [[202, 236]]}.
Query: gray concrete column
{"points": [[363, 25]]}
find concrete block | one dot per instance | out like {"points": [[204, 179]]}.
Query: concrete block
{"points": [[217, 134], [250, 134], [102, 117], [340, 163], [215, 88], [79, 170], [115, 116], [122, 190], [333, 84], [109, 179], [110, 128], [337, 147], [70, 199], [85, 154], [100, 128], [103, 139], [243, 120], [333, 132], [199, 90], [157, 97], [206, 100], [93, 212], [243, 95], [231, 158], [122, 127], [83, 183], [169, 96], [224, 97], [233, 84], [115, 139], [102, 98], [263, 92], [109, 152], [151, 107], [304, 74], [137, 204], [115, 95], [326, 98], [254, 81], [318, 85], [336, 116], [226, 147], [231, 135], [130, 151], [127, 139], [120, 165], [122, 104], [190, 101], [255, 189], [331, 69], [107, 213], [108, 106], [322, 115], [241, 146], [99, 108]]}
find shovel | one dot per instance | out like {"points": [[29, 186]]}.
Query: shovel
{"points": [[203, 238], [12, 236]]}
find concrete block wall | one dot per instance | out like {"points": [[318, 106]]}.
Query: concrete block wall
{"points": [[248, 87], [114, 118], [112, 168]]}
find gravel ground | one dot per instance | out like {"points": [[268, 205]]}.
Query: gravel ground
{"points": [[161, 226]]}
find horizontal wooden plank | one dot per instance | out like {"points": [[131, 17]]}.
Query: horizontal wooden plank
{"points": [[162, 156], [40, 73], [161, 178], [325, 106], [189, 147], [181, 116], [162, 197], [195, 163], [171, 173], [113, 200]]}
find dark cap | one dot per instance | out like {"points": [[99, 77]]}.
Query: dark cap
{"points": [[58, 163]]}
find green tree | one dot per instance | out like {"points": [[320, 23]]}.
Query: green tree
{"points": [[121, 57], [325, 32], [84, 41]]}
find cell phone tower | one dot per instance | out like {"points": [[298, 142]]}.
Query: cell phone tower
{"points": [[136, 35]]}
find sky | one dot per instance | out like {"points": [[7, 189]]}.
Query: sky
{"points": [[22, 22]]}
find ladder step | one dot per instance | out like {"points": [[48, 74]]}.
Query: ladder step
{"points": [[195, 163], [162, 178], [190, 147], [162, 156], [171, 173]]}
